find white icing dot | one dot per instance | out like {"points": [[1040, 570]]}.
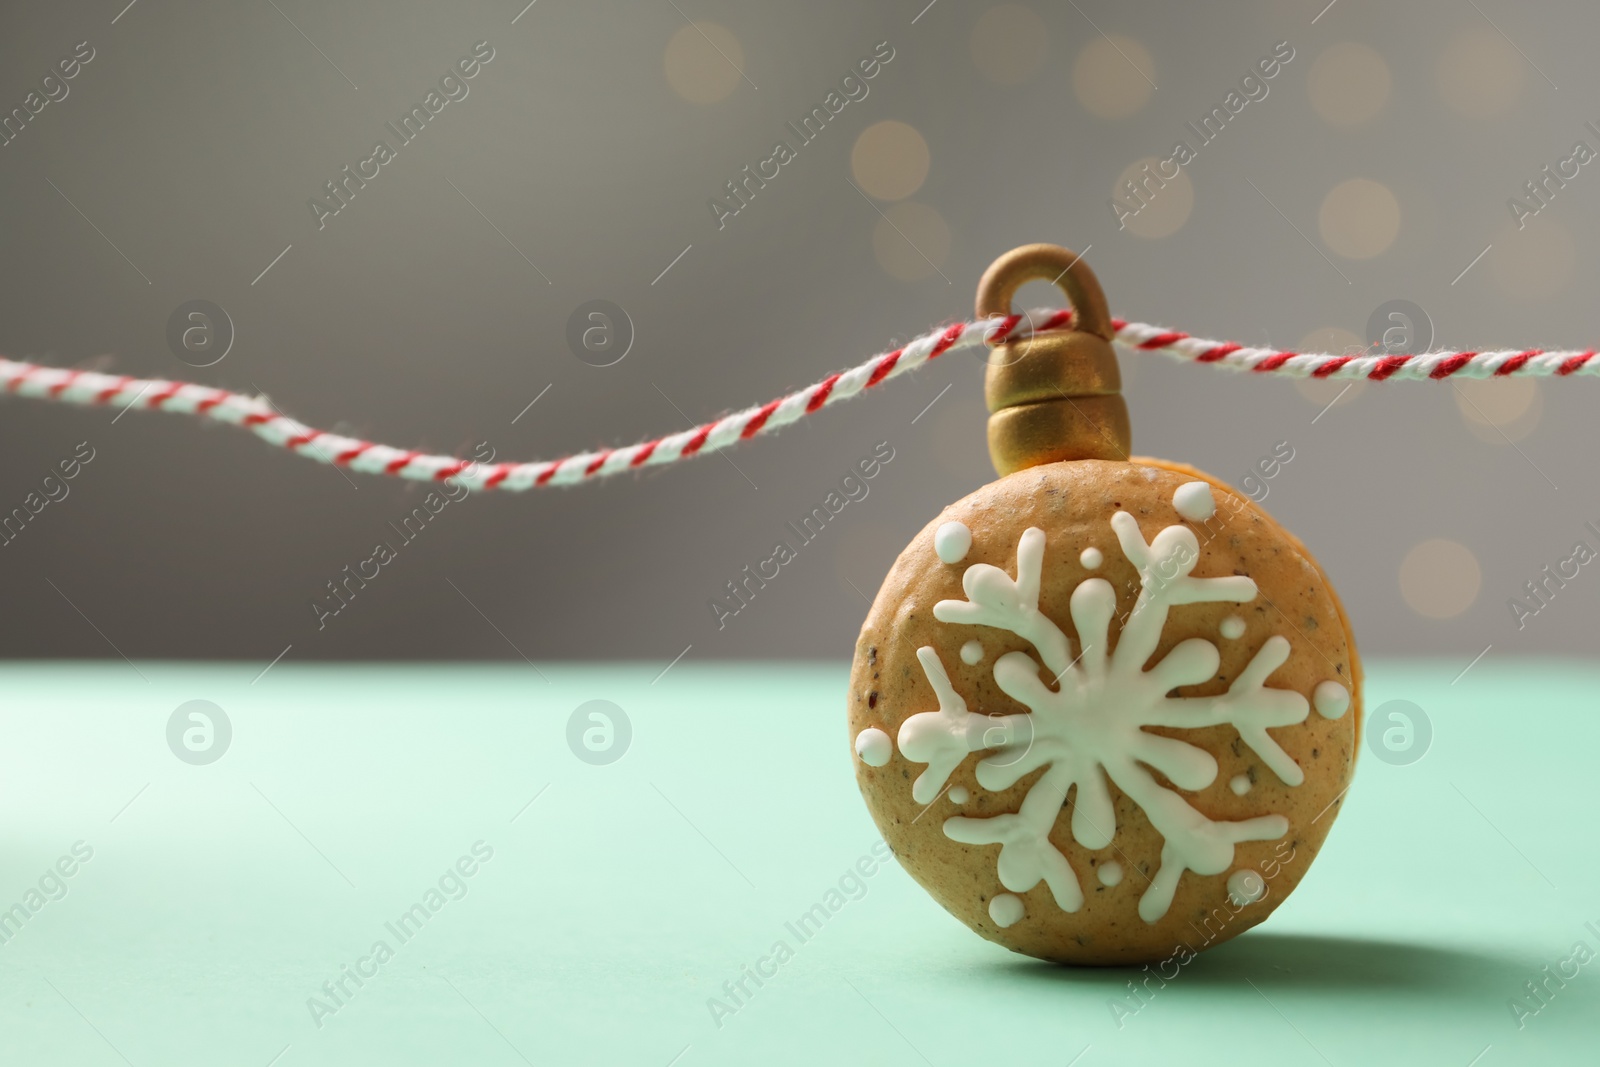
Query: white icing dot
{"points": [[972, 652], [1110, 872], [1240, 784], [951, 541], [1194, 502], [1233, 627], [958, 794], [1006, 910], [1246, 886], [1091, 558], [1330, 699], [873, 746]]}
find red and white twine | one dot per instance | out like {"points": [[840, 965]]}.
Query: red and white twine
{"points": [[267, 422]]}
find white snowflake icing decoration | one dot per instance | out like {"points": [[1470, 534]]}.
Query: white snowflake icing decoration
{"points": [[1091, 726]]}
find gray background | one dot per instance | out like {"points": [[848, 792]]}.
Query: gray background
{"points": [[196, 135]]}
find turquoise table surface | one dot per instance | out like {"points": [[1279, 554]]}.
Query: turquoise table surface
{"points": [[533, 907]]}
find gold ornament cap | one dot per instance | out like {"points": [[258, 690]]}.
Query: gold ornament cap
{"points": [[1056, 395]]}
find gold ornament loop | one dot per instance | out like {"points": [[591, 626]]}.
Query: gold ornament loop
{"points": [[1062, 268]]}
